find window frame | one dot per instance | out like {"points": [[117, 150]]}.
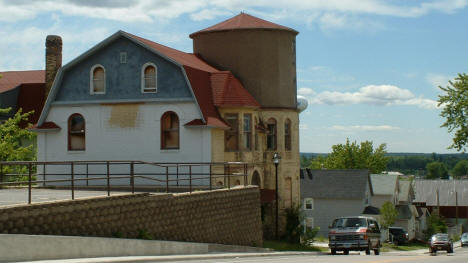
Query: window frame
{"points": [[227, 116], [143, 79], [69, 132], [287, 135], [91, 80], [275, 135], [311, 204], [247, 135], [256, 144], [163, 130]]}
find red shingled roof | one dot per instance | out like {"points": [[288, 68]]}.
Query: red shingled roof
{"points": [[229, 92], [212, 88], [12, 79], [243, 21], [48, 125]]}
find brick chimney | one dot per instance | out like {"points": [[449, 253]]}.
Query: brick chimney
{"points": [[53, 61]]}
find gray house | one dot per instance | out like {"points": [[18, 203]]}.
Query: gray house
{"points": [[385, 187], [328, 194]]}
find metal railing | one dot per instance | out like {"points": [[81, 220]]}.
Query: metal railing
{"points": [[161, 176]]}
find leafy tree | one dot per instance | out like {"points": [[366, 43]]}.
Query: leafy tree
{"points": [[460, 169], [436, 170], [388, 214], [357, 156], [435, 224], [455, 111], [317, 162]]}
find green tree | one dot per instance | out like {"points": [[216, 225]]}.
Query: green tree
{"points": [[317, 162], [460, 169], [435, 224], [436, 170], [455, 111], [357, 156], [388, 214]]}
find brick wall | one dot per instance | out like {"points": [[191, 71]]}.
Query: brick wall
{"points": [[221, 216]]}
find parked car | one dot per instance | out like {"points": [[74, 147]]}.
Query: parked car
{"points": [[440, 242], [464, 239], [357, 233], [398, 235]]}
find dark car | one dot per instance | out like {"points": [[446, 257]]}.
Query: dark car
{"points": [[440, 242], [464, 239], [398, 235], [357, 233]]}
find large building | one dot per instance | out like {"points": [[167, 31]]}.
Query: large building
{"points": [[129, 98]]}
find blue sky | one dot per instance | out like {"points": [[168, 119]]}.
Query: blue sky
{"points": [[369, 68]]}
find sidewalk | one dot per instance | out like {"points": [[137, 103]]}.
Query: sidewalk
{"points": [[176, 257]]}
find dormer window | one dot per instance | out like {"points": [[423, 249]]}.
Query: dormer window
{"points": [[149, 80], [98, 80]]}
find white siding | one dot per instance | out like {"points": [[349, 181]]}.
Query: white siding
{"points": [[135, 138]]}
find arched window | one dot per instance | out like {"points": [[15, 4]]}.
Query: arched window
{"points": [[98, 80], [149, 80], [76, 133], [271, 134], [287, 135], [169, 131], [256, 179]]}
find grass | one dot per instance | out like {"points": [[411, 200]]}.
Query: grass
{"points": [[406, 247], [284, 246]]}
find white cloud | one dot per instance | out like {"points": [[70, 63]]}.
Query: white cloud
{"points": [[305, 91], [364, 128], [384, 95], [437, 80]]}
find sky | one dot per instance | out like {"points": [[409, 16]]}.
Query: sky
{"points": [[370, 69]]}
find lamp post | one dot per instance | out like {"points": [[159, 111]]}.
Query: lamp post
{"points": [[276, 159]]}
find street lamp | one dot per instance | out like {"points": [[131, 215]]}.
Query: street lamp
{"points": [[276, 159]]}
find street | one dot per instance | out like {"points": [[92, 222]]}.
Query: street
{"points": [[460, 256]]}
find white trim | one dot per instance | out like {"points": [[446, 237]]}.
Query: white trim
{"points": [[91, 79], [142, 78], [311, 202]]}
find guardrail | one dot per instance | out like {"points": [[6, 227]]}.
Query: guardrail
{"points": [[165, 176]]}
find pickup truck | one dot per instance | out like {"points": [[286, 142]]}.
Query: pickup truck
{"points": [[356, 233]]}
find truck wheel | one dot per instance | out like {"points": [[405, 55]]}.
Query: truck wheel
{"points": [[377, 251], [368, 249], [333, 251], [346, 252]]}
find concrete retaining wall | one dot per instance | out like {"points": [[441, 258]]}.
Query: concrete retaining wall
{"points": [[222, 216], [27, 247]]}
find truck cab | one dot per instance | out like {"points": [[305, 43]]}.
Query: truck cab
{"points": [[354, 233]]}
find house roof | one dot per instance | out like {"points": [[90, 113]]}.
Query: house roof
{"points": [[12, 79], [426, 192], [243, 21], [404, 191], [335, 184], [199, 75], [384, 184]]}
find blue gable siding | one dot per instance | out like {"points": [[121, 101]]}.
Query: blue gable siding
{"points": [[123, 81]]}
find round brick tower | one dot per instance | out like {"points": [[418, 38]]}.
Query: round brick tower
{"points": [[260, 53]]}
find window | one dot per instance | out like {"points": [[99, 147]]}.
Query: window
{"points": [[287, 135], [309, 204], [247, 132], [256, 135], [76, 133], [169, 131], [149, 80], [123, 57], [98, 80], [231, 136], [271, 134]]}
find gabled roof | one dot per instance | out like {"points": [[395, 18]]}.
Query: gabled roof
{"points": [[12, 79], [335, 184], [384, 184], [404, 191], [229, 92], [243, 21], [198, 74], [426, 191]]}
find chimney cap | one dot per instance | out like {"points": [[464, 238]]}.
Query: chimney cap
{"points": [[53, 39]]}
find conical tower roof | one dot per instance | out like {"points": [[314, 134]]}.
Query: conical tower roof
{"points": [[241, 22]]}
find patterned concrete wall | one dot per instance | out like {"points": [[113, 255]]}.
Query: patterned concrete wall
{"points": [[221, 216]]}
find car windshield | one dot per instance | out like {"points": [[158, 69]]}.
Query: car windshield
{"points": [[441, 237], [350, 222], [397, 231], [465, 236]]}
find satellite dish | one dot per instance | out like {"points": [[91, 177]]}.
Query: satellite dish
{"points": [[302, 103]]}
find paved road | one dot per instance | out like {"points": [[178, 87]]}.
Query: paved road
{"points": [[13, 196], [460, 256]]}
